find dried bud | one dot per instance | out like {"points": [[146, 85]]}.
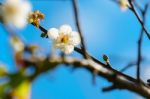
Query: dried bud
{"points": [[35, 18], [44, 35]]}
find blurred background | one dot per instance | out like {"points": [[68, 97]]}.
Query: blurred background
{"points": [[107, 30]]}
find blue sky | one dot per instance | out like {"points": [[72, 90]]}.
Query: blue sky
{"points": [[107, 30]]}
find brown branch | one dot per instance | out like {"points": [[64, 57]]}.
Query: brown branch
{"points": [[120, 80]]}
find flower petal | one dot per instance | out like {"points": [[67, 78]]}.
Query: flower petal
{"points": [[65, 29], [75, 38], [19, 21], [53, 33], [68, 49]]}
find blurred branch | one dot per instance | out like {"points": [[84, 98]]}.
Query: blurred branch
{"points": [[140, 40], [128, 66], [120, 80]]}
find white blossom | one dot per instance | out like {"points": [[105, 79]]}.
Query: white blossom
{"points": [[64, 38], [124, 4], [15, 12]]}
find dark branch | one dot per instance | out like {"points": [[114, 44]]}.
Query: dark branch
{"points": [[139, 51], [139, 19], [76, 14]]}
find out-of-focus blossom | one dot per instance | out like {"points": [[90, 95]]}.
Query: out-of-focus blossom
{"points": [[15, 12], [64, 39], [22, 91], [124, 4], [17, 44], [3, 70], [35, 17], [18, 47]]}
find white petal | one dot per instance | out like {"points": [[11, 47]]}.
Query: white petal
{"points": [[68, 49], [26, 7], [12, 1], [66, 29], [75, 38], [19, 22], [53, 33]]}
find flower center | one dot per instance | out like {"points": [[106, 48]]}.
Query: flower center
{"points": [[64, 39]]}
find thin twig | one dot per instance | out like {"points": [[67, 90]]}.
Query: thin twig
{"points": [[128, 66], [132, 8], [139, 19], [140, 40], [76, 14]]}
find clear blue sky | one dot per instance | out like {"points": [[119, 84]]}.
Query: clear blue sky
{"points": [[107, 30]]}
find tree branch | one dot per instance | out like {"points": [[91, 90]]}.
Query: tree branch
{"points": [[120, 80]]}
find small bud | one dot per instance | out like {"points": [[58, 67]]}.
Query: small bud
{"points": [[148, 82], [44, 35], [105, 58]]}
